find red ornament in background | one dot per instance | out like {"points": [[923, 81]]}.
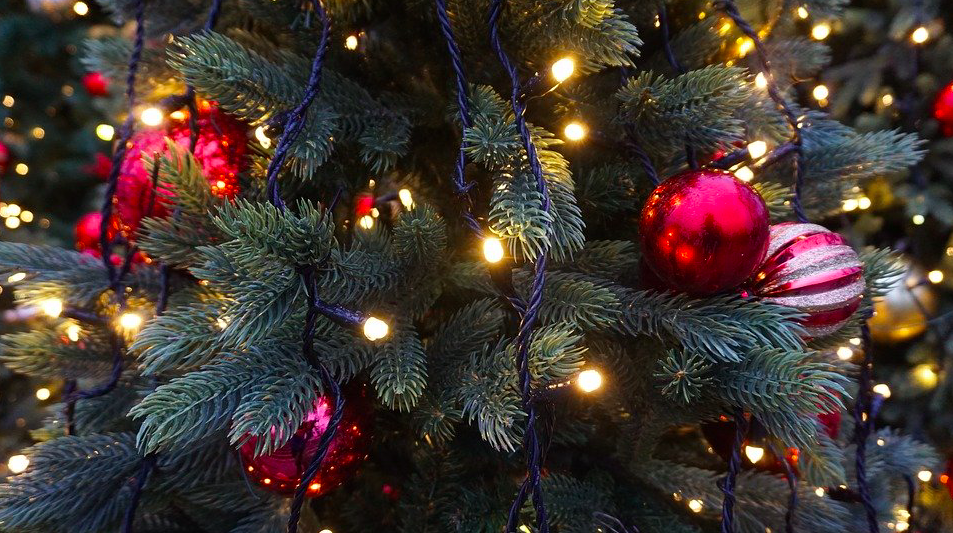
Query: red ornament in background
{"points": [[831, 423], [813, 270], [100, 166], [87, 232], [281, 470], [943, 110], [96, 84], [220, 150], [363, 204], [721, 438], [4, 158], [704, 231]]}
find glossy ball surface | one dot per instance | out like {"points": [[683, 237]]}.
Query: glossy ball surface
{"points": [[704, 231], [902, 313], [943, 110], [282, 470]]}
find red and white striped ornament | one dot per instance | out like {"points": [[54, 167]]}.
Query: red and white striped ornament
{"points": [[813, 270]]}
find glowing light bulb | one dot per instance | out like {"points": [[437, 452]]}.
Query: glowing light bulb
{"points": [[802, 12], [375, 329], [926, 376], [924, 475], [72, 332], [863, 202], [887, 100], [42, 394], [821, 31], [351, 42], [263, 139], [851, 204], [920, 35], [130, 321], [325, 530], [80, 8], [819, 491], [18, 463], [744, 174], [882, 389], [745, 46], [760, 81], [589, 380], [12, 210], [21, 169], [935, 276], [821, 92], [8, 100], [314, 486], [754, 453], [855, 341], [38, 132], [105, 132], [151, 116], [695, 505], [406, 198], [12, 223], [52, 307], [492, 250], [26, 216], [366, 222], [844, 353], [574, 131], [757, 149], [563, 69], [918, 220], [19, 276]]}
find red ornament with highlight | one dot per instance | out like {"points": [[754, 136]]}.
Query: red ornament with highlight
{"points": [[943, 110], [4, 158], [220, 150], [87, 232], [282, 470], [363, 204], [704, 231], [96, 84], [813, 270]]}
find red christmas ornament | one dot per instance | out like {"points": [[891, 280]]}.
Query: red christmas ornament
{"points": [[943, 110], [220, 149], [87, 232], [814, 270], [282, 470], [704, 231], [4, 158], [363, 204], [100, 166], [96, 84], [831, 423]]}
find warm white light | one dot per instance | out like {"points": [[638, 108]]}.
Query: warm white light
{"points": [[855, 341], [130, 320], [492, 250], [42, 394], [351, 42], [105, 132], [19, 276], [882, 389], [26, 216], [366, 222], [863, 202], [918, 220], [52, 307], [744, 174], [745, 46], [757, 149], [819, 491], [80, 8], [38, 132], [12, 210], [926, 376], [325, 530], [881, 442], [8, 100], [844, 353], [760, 81], [12, 223], [563, 69], [802, 12], [18, 463], [375, 212], [821, 31], [754, 453], [406, 198], [850, 204], [920, 35], [21, 169], [887, 99], [222, 323], [924, 475], [72, 332], [589, 380], [902, 526], [375, 329], [151, 116], [821, 92], [574, 131], [695, 505], [263, 139], [935, 276]]}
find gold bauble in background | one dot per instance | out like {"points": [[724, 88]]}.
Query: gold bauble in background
{"points": [[897, 316]]}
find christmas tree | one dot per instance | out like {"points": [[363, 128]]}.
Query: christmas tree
{"points": [[469, 266]]}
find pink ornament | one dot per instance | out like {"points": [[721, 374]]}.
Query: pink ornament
{"points": [[282, 470], [704, 231], [814, 270]]}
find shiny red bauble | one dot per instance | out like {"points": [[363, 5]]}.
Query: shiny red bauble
{"points": [[96, 84], [220, 150], [87, 232], [282, 470], [100, 166], [704, 231], [363, 204], [4, 158], [813, 270], [943, 110]]}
